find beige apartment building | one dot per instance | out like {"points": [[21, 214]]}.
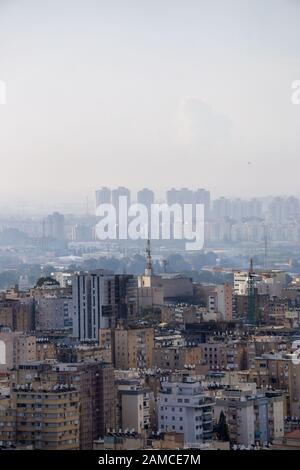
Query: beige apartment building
{"points": [[46, 419], [214, 354], [45, 349], [135, 403], [278, 371], [150, 296], [94, 383], [224, 301], [133, 348], [220, 301], [193, 314], [17, 314], [7, 422], [83, 353], [16, 348], [172, 358]]}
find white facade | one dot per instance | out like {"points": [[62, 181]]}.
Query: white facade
{"points": [[252, 416], [183, 408], [270, 283], [93, 303], [240, 286], [239, 415]]}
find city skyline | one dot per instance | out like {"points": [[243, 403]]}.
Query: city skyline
{"points": [[88, 204], [149, 231]]}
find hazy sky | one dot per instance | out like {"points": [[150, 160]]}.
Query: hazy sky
{"points": [[153, 93]]}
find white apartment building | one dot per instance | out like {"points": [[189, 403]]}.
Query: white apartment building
{"points": [[271, 282], [240, 283], [93, 303], [252, 415], [184, 408]]}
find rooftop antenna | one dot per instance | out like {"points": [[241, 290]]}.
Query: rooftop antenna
{"points": [[149, 267]]}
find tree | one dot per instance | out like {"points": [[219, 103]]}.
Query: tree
{"points": [[47, 281], [222, 428]]}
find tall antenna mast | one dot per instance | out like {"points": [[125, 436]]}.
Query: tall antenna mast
{"points": [[149, 267]]}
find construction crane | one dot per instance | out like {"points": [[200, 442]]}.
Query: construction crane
{"points": [[251, 295]]}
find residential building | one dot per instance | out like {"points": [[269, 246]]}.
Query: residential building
{"points": [[179, 358], [133, 347], [183, 407], [16, 348], [93, 303]]}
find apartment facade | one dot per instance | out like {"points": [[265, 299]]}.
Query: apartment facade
{"points": [[94, 383], [184, 408], [93, 303], [133, 348], [177, 358], [16, 348], [252, 416], [42, 418]]}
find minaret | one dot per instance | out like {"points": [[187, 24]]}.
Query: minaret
{"points": [[148, 269]]}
